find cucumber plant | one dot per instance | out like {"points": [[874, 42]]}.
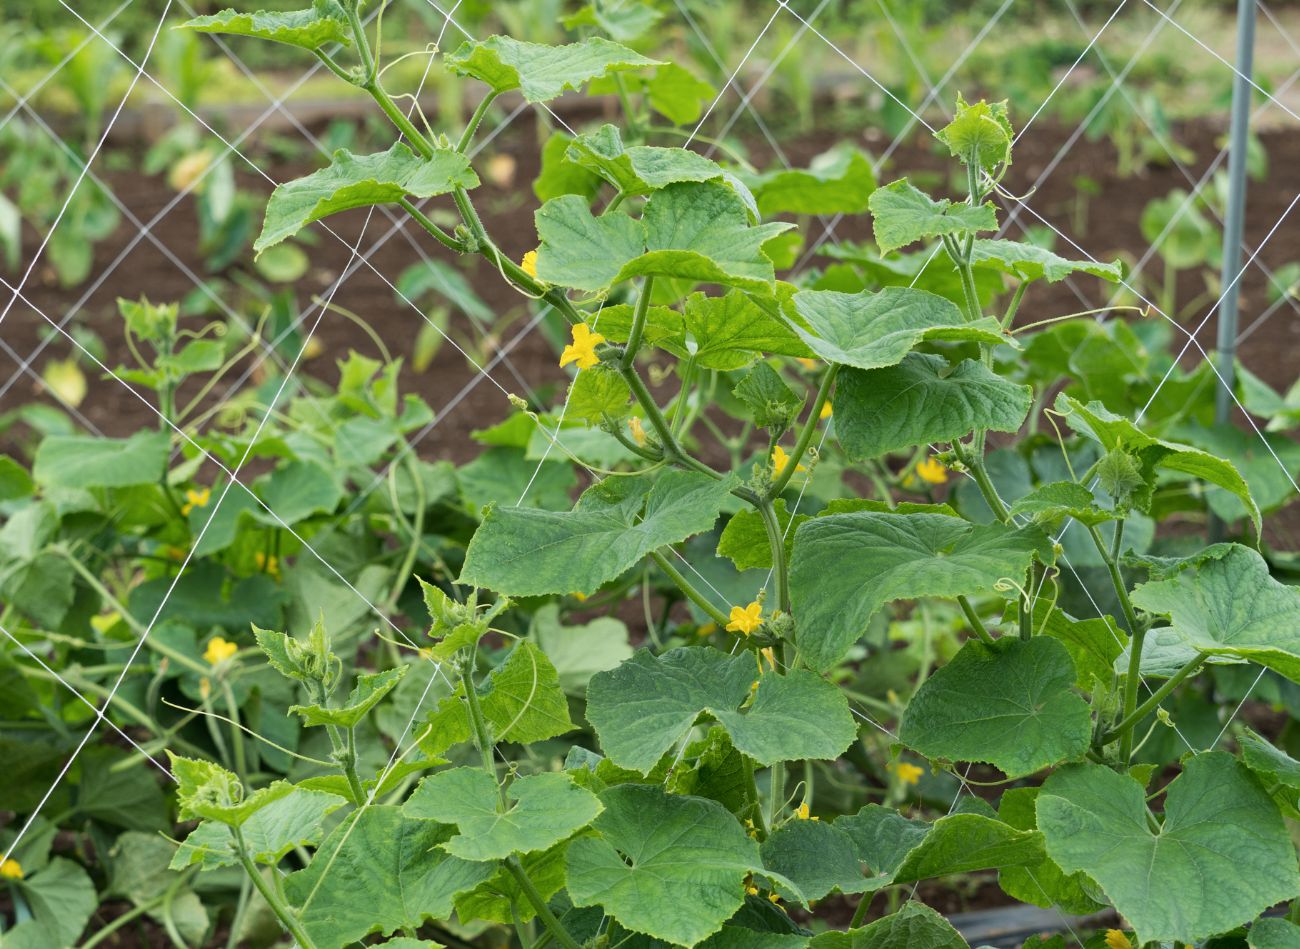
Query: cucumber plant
{"points": [[684, 814]]}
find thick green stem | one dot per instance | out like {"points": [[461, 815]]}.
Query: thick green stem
{"points": [[286, 915], [399, 118], [637, 331], [975, 622], [805, 436], [350, 767], [1137, 634], [369, 68], [1014, 306], [441, 236], [974, 462], [776, 541], [1130, 721], [474, 121], [688, 588]]}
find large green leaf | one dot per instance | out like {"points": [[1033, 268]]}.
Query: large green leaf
{"points": [[1044, 883], [1115, 432], [356, 181], [369, 690], [923, 400], [915, 926], [578, 249], [647, 705], [544, 809], [1009, 705], [744, 540], [847, 566], [1053, 502], [669, 866], [524, 552], [839, 181], [1220, 857], [903, 214], [521, 700], [86, 461], [1273, 933], [639, 169], [541, 72], [325, 22], [378, 872], [61, 899], [1031, 262], [902, 850], [731, 331], [700, 231], [817, 857], [874, 329], [1230, 606]]}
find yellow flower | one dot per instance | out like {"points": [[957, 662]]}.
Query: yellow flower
{"points": [[269, 565], [932, 472], [103, 622], [11, 870], [772, 897], [1115, 939], [219, 650], [195, 499], [768, 654], [907, 773], [583, 348], [826, 410], [638, 430], [746, 619], [751, 890], [580, 596], [807, 363], [529, 266], [801, 812], [780, 460], [708, 629]]}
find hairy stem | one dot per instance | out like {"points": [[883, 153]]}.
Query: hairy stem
{"points": [[806, 435], [688, 588], [976, 623], [1130, 721], [286, 915]]}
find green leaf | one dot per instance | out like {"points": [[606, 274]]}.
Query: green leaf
{"points": [[540, 72], [294, 492], [15, 482], [208, 791], [379, 871], [324, 23], [597, 392], [1271, 764], [731, 331], [744, 540], [839, 181], [580, 250], [507, 477], [1053, 502], [871, 330], [291, 821], [847, 566], [61, 899], [923, 400], [1030, 262], [560, 176], [1230, 606], [91, 461], [1273, 933], [545, 809], [915, 926], [624, 20], [678, 95], [525, 552], [647, 705], [700, 231], [901, 850], [579, 652], [500, 899], [1094, 645], [669, 866], [357, 181], [817, 857], [1042, 884], [521, 700], [903, 214], [772, 404], [639, 169], [980, 132], [1220, 857], [370, 688], [1114, 432], [1009, 705]]}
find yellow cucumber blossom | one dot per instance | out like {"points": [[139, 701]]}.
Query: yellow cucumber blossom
{"points": [[770, 655], [195, 499], [708, 629], [907, 773], [1115, 939], [529, 266], [637, 429], [219, 650], [932, 471], [780, 460], [801, 812], [583, 348], [11, 870], [746, 619], [827, 411], [269, 565]]}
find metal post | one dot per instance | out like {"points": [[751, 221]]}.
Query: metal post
{"points": [[1234, 217]]}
